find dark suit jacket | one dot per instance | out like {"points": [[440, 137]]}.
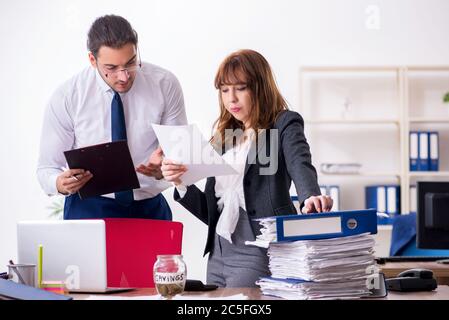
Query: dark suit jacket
{"points": [[265, 194]]}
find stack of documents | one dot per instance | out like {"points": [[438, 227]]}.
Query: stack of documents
{"points": [[296, 289], [325, 263]]}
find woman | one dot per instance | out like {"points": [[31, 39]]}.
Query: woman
{"points": [[268, 149]]}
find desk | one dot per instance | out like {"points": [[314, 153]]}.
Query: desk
{"points": [[442, 293], [440, 271]]}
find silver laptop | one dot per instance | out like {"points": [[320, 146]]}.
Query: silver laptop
{"points": [[74, 251]]}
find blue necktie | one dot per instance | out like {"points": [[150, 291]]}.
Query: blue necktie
{"points": [[118, 132]]}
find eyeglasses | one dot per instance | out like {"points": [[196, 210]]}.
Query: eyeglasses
{"points": [[114, 74], [133, 67]]}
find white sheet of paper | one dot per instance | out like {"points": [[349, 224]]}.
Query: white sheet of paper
{"points": [[186, 145], [184, 296]]}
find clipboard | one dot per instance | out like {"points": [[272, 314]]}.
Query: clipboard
{"points": [[111, 165]]}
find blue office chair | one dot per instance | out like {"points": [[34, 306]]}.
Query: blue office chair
{"points": [[403, 239]]}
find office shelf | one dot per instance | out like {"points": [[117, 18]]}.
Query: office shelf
{"points": [[424, 88], [429, 174], [363, 174], [353, 122], [430, 120], [363, 114]]}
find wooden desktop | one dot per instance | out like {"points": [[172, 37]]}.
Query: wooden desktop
{"points": [[390, 270], [442, 293]]}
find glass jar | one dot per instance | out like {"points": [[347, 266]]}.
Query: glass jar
{"points": [[169, 273]]}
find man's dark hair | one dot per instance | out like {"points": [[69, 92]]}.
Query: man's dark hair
{"points": [[110, 31]]}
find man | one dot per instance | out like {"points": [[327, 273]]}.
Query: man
{"points": [[115, 98]]}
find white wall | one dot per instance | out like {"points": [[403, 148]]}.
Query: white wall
{"points": [[43, 43]]}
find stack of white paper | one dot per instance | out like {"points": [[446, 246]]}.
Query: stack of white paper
{"points": [[267, 233], [299, 289], [322, 260], [316, 269]]}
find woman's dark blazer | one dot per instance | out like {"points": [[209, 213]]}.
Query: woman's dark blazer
{"points": [[266, 193]]}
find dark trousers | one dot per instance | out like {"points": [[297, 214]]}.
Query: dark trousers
{"points": [[102, 207]]}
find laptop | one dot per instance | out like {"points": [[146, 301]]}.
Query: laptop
{"points": [[100, 256], [73, 251]]}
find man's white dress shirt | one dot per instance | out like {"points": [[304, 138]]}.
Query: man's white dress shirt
{"points": [[79, 114]]}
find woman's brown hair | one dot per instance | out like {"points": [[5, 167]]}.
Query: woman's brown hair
{"points": [[251, 68]]}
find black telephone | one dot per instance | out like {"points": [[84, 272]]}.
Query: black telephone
{"points": [[197, 285], [413, 280]]}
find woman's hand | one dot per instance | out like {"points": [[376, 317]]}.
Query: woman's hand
{"points": [[172, 172], [317, 204]]}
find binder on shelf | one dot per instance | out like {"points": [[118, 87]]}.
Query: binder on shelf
{"points": [[433, 151], [371, 197], [294, 198], [334, 193], [325, 225], [393, 200], [381, 199], [385, 199], [413, 199], [323, 190], [375, 197], [423, 147], [296, 203], [413, 151]]}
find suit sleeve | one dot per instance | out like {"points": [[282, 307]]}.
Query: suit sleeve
{"points": [[298, 158], [194, 200]]}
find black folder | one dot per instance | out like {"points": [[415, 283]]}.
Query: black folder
{"points": [[15, 291], [111, 165]]}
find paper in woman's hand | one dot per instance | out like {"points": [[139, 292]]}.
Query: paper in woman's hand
{"points": [[186, 145]]}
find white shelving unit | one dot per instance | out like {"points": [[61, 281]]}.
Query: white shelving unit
{"points": [[364, 115], [424, 88], [346, 109], [372, 110]]}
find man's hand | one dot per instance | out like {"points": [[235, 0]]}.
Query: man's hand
{"points": [[70, 181], [153, 168], [317, 204]]}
